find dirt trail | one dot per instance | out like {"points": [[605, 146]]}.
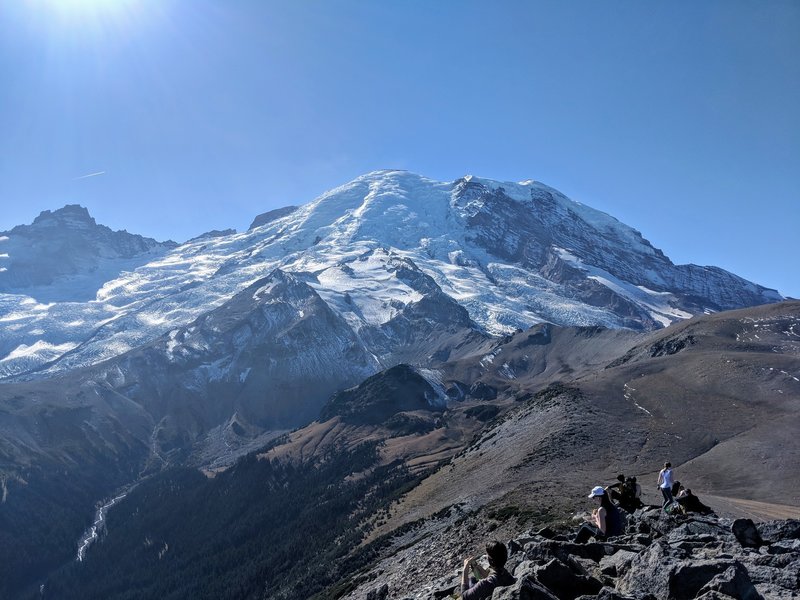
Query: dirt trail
{"points": [[735, 508], [751, 509]]}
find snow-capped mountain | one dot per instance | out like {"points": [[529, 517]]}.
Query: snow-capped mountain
{"points": [[386, 245]]}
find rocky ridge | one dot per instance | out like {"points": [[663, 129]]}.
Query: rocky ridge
{"points": [[660, 556], [64, 255]]}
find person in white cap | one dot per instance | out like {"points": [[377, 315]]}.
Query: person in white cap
{"points": [[607, 520]]}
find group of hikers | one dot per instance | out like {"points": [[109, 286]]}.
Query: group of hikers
{"points": [[676, 497], [608, 520]]}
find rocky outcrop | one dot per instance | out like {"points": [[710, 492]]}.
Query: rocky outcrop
{"points": [[382, 396], [659, 557], [272, 215], [67, 245]]}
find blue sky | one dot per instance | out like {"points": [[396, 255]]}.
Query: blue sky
{"points": [[679, 118]]}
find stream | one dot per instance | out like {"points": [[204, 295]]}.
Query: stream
{"points": [[93, 532]]}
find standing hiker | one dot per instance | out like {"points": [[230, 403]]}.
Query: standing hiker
{"points": [[665, 483]]}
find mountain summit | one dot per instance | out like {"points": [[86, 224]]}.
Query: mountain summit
{"points": [[64, 255], [389, 242]]}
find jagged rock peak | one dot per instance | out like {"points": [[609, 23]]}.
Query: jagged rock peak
{"points": [[272, 215], [214, 233], [71, 215]]}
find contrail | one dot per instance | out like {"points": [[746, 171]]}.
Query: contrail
{"points": [[90, 175]]}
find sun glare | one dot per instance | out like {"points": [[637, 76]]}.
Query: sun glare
{"points": [[93, 21], [85, 5], [83, 12]]}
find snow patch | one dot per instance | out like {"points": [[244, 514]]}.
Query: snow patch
{"points": [[507, 372], [434, 378], [40, 349]]}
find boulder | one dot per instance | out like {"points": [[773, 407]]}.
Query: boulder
{"points": [[649, 571], [691, 557], [547, 549], [734, 582], [747, 533], [772, 531], [379, 593], [564, 582], [617, 564], [546, 533], [785, 547], [526, 588], [688, 578]]}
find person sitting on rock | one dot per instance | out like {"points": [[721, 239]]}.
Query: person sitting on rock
{"points": [[607, 520], [487, 581], [637, 491], [676, 489], [629, 497], [691, 503], [615, 489]]}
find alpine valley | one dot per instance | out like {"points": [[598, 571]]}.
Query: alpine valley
{"points": [[363, 388]]}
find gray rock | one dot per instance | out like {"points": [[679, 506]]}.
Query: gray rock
{"points": [[650, 570], [734, 582], [688, 578], [747, 534], [786, 577], [607, 593], [526, 588], [776, 561], [785, 547], [699, 525], [714, 595], [617, 564], [545, 550], [772, 531], [524, 568], [379, 593], [564, 582], [683, 557]]}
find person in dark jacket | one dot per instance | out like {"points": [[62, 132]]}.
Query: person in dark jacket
{"points": [[691, 503], [487, 581], [607, 520], [615, 489], [629, 498]]}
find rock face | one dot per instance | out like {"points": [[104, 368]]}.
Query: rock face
{"points": [[540, 229], [680, 557], [272, 215], [272, 355], [67, 244]]}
